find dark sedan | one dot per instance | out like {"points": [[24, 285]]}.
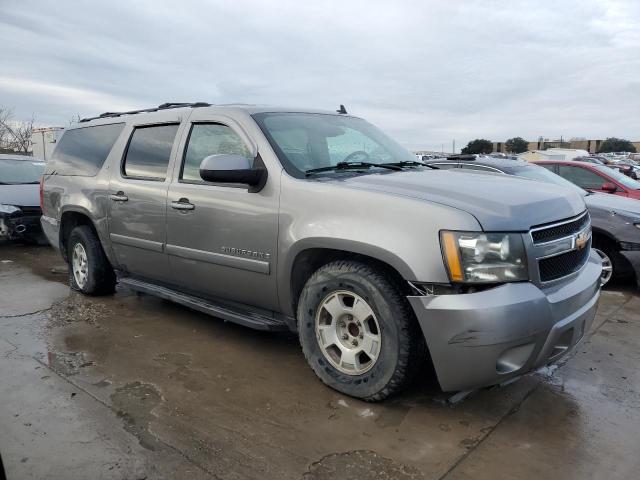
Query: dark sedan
{"points": [[20, 199]]}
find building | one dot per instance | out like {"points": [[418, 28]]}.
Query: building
{"points": [[591, 146], [553, 154], [44, 140]]}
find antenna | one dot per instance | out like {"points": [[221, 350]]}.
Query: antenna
{"points": [[342, 110]]}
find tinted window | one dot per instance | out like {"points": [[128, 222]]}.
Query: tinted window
{"points": [[20, 171], [84, 150], [582, 177], [149, 151], [209, 139]]}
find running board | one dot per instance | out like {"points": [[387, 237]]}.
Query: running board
{"points": [[249, 318]]}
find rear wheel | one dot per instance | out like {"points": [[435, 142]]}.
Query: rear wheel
{"points": [[358, 332], [89, 269]]}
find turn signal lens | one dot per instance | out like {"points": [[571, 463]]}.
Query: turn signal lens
{"points": [[452, 256]]}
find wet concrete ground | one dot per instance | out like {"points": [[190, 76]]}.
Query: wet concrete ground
{"points": [[132, 387]]}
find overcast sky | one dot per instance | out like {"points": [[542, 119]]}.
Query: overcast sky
{"points": [[425, 71]]}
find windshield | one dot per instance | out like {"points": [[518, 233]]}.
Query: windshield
{"points": [[534, 172], [619, 177], [20, 171], [305, 141]]}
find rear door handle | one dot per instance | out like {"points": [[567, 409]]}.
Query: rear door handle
{"points": [[119, 197], [183, 204]]}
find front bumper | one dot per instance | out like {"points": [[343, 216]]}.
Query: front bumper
{"points": [[485, 338]]}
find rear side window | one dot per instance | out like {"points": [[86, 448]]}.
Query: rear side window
{"points": [[149, 151], [82, 151]]}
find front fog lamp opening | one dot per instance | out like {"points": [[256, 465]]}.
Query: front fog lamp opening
{"points": [[474, 257]]}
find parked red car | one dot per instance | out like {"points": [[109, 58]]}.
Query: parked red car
{"points": [[595, 178]]}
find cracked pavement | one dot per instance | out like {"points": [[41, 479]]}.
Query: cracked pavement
{"points": [[130, 387]]}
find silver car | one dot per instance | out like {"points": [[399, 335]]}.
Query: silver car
{"points": [[319, 223]]}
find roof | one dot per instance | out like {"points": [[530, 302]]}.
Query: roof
{"points": [[184, 107]]}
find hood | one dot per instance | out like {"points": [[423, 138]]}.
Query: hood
{"points": [[498, 202], [20, 195], [613, 203]]}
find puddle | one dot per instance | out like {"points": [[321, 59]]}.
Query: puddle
{"points": [[134, 403]]}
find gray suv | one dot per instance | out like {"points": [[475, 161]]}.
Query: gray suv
{"points": [[319, 223]]}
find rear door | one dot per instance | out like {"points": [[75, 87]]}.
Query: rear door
{"points": [[138, 195], [221, 239]]}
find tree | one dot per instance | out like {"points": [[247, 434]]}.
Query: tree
{"points": [[479, 145], [15, 135], [516, 145], [613, 144]]}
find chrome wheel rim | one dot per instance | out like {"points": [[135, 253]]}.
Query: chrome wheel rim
{"points": [[607, 267], [80, 265], [348, 332]]}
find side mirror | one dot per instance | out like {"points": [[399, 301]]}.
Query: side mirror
{"points": [[609, 187], [232, 169]]}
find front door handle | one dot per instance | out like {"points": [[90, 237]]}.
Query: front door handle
{"points": [[183, 204], [119, 197]]}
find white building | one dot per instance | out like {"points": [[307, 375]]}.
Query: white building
{"points": [[553, 154], [44, 140]]}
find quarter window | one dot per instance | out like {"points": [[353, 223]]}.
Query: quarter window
{"points": [[209, 139], [82, 151], [581, 176], [149, 152]]}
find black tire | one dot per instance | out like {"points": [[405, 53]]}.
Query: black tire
{"points": [[619, 264], [402, 345], [101, 279]]}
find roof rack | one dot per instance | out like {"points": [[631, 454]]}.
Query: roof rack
{"points": [[164, 106]]}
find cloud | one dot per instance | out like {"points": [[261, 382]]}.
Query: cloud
{"points": [[425, 71]]}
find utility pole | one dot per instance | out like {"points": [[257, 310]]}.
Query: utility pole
{"points": [[454, 146]]}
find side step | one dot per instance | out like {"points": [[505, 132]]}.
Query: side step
{"points": [[248, 317]]}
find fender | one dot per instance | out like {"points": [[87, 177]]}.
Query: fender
{"points": [[288, 257]]}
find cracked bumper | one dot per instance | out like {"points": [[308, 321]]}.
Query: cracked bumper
{"points": [[484, 338]]}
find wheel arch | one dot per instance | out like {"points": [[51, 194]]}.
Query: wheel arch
{"points": [[71, 218], [309, 256]]}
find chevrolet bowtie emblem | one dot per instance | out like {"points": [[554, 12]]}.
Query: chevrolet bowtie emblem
{"points": [[581, 240]]}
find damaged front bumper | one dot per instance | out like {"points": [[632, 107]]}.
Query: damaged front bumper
{"points": [[20, 223], [484, 338]]}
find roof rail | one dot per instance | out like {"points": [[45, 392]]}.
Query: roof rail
{"points": [[164, 106]]}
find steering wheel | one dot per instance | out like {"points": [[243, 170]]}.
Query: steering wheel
{"points": [[356, 153]]}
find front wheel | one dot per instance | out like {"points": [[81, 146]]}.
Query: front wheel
{"points": [[357, 331]]}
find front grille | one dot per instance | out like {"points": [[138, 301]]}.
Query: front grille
{"points": [[564, 264], [560, 231]]}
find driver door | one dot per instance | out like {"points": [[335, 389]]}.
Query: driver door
{"points": [[221, 239]]}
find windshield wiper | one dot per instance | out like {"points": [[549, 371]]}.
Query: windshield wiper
{"points": [[350, 165], [410, 163]]}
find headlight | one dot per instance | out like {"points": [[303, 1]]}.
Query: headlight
{"points": [[8, 208], [473, 257]]}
